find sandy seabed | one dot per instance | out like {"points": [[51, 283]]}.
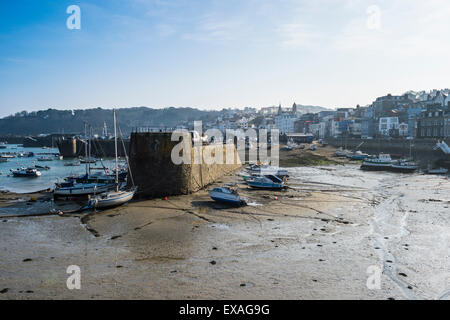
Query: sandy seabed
{"points": [[316, 241]]}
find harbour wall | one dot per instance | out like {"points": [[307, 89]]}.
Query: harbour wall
{"points": [[74, 147], [156, 175]]}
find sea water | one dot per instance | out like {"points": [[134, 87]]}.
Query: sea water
{"points": [[48, 178]]}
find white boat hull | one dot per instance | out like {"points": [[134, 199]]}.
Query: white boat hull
{"points": [[111, 199]]}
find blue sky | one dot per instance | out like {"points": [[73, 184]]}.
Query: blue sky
{"points": [[215, 54]]}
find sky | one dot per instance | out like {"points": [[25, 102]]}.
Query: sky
{"points": [[214, 54]]}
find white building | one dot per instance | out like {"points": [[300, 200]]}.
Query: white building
{"points": [[285, 123], [386, 124], [403, 130]]}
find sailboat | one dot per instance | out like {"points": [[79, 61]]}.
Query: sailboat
{"points": [[117, 197], [85, 188]]}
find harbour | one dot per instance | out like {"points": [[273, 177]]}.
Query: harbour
{"points": [[327, 229]]}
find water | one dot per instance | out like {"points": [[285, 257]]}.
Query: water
{"points": [[48, 178]]}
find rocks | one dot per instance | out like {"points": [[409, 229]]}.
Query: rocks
{"points": [[213, 262], [115, 237], [27, 260], [402, 274], [5, 290]]}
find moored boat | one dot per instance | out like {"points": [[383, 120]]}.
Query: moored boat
{"points": [[73, 189], [26, 173], [227, 195]]}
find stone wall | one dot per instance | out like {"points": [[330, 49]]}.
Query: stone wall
{"points": [[156, 175]]}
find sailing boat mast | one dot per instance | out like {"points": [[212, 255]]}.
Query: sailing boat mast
{"points": [[86, 146], [115, 147]]}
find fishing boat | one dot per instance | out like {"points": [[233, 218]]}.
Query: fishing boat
{"points": [[382, 162], [26, 173], [115, 197], [227, 195], [404, 166], [3, 145], [266, 182]]}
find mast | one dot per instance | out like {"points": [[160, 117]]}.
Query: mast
{"points": [[89, 157], [86, 146], [115, 148]]}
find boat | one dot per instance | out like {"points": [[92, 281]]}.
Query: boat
{"points": [[341, 153], [88, 160], [431, 170], [3, 145], [382, 162], [72, 164], [83, 185], [42, 167], [266, 182], [312, 147], [26, 173], [42, 159], [257, 169], [358, 155], [2, 159], [7, 156], [111, 198], [404, 166], [116, 197], [227, 195]]}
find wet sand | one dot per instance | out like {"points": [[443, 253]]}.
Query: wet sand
{"points": [[315, 242]]}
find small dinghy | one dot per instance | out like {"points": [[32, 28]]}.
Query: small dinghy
{"points": [[227, 195], [266, 182]]}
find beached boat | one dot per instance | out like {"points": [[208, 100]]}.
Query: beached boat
{"points": [[227, 195], [112, 198], [436, 170], [404, 166], [341, 153], [358, 155], [267, 170], [116, 197], [26, 173], [266, 182], [382, 162]]}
